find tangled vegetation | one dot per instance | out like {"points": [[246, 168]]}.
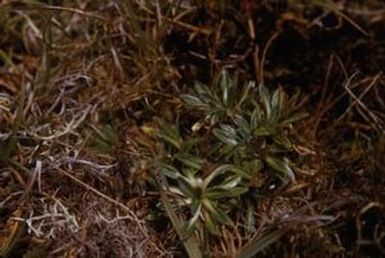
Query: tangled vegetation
{"points": [[192, 128]]}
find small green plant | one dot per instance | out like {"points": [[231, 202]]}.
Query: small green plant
{"points": [[249, 130], [211, 168], [204, 196]]}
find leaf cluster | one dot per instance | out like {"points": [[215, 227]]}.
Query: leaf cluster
{"points": [[243, 135]]}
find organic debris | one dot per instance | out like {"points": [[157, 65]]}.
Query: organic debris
{"points": [[192, 128]]}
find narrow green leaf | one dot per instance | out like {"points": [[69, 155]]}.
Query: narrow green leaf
{"points": [[250, 219], [282, 140], [274, 116], [204, 93], [189, 226], [264, 97], [209, 223], [215, 213], [227, 151], [259, 244], [255, 165], [293, 118], [228, 130], [276, 99], [170, 140], [218, 171], [190, 160], [187, 186], [243, 126], [194, 101], [218, 111], [191, 244], [263, 131], [226, 134], [225, 86], [230, 182], [170, 171], [256, 117], [170, 134], [220, 216], [214, 194], [217, 193], [280, 166], [236, 191], [245, 94]]}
